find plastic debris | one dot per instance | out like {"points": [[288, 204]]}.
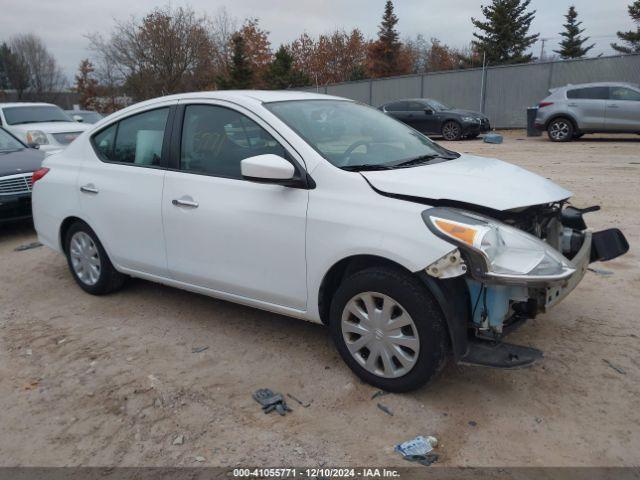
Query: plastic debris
{"points": [[27, 246], [297, 400], [492, 138], [271, 401], [199, 459], [599, 271], [419, 449], [473, 423], [179, 440], [618, 369], [379, 393], [199, 349], [385, 409]]}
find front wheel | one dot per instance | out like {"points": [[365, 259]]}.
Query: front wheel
{"points": [[389, 329], [88, 261], [451, 130], [560, 130]]}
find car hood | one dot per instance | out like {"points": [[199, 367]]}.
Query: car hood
{"points": [[52, 127], [20, 161], [469, 179]]}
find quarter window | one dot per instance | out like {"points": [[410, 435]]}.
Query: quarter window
{"points": [[216, 139], [622, 93], [589, 93], [104, 142]]}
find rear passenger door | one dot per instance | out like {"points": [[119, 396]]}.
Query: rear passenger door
{"points": [[397, 110], [120, 188], [623, 110], [587, 105], [417, 117]]}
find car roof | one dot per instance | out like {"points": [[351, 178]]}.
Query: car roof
{"points": [[26, 104], [242, 97], [601, 84]]}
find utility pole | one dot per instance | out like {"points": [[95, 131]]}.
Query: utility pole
{"points": [[542, 41]]}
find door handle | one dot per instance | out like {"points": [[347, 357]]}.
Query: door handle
{"points": [[181, 202], [613, 106], [573, 104], [89, 188]]}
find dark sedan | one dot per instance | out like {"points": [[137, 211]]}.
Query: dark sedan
{"points": [[17, 164], [434, 118]]}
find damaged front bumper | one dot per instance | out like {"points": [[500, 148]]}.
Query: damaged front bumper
{"points": [[495, 307]]}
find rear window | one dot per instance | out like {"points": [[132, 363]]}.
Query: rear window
{"points": [[589, 93], [396, 107]]}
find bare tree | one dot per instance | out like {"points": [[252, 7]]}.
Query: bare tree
{"points": [[167, 51], [223, 26], [45, 79]]}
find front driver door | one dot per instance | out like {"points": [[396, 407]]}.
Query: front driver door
{"points": [[225, 233], [623, 110]]}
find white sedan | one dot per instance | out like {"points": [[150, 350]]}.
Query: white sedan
{"points": [[324, 209], [42, 125]]}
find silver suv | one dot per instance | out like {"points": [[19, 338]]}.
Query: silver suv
{"points": [[571, 111]]}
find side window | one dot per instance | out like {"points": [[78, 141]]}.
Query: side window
{"points": [[215, 140], [104, 142], [415, 107], [396, 107], [139, 138], [589, 93], [623, 93]]}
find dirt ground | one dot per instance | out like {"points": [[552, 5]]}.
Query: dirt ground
{"points": [[113, 380]]}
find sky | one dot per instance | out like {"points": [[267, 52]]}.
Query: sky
{"points": [[63, 24]]}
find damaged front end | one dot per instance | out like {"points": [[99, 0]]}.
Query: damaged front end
{"points": [[511, 269]]}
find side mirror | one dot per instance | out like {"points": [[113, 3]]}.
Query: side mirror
{"points": [[78, 118], [428, 111], [33, 145], [268, 168]]}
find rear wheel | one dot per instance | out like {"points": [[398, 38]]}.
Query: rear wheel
{"points": [[389, 329], [560, 130], [88, 261], [451, 130]]}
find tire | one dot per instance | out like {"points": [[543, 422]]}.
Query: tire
{"points": [[577, 135], [88, 262], [422, 361], [560, 130], [451, 130], [472, 136]]}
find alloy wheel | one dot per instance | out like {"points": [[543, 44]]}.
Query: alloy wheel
{"points": [[560, 130], [380, 334], [85, 258], [451, 131]]}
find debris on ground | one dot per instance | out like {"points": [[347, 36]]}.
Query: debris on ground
{"points": [[419, 449], [379, 393], [31, 385], [271, 401], [297, 400], [199, 459], [473, 423], [538, 419], [27, 246], [599, 271], [199, 349], [385, 409], [618, 369], [492, 138], [179, 440]]}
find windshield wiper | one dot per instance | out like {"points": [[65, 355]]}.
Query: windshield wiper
{"points": [[364, 168], [419, 160]]}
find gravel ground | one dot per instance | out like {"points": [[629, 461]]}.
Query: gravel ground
{"points": [[113, 380]]}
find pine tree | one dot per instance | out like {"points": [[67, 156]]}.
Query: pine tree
{"points": [[571, 45], [281, 72], [385, 57], [504, 34], [240, 71], [631, 38]]}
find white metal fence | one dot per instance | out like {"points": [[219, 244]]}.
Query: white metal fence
{"points": [[508, 90]]}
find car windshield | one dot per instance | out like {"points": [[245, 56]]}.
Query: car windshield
{"points": [[34, 114], [438, 106], [9, 143], [355, 136]]}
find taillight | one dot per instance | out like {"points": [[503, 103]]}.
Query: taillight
{"points": [[544, 104], [38, 174]]}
